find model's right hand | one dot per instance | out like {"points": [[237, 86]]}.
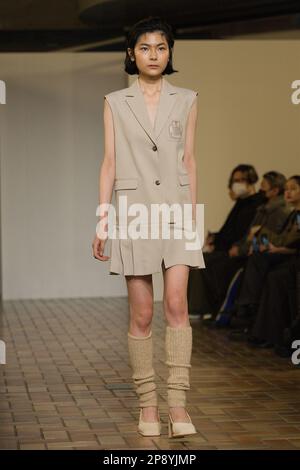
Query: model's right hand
{"points": [[98, 249]]}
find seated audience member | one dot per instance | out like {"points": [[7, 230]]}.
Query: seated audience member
{"points": [[272, 214], [273, 249], [278, 313], [203, 295], [242, 189]]}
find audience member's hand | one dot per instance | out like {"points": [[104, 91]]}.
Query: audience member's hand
{"points": [[233, 251], [253, 230], [274, 249], [263, 248], [208, 248], [250, 251], [209, 239]]}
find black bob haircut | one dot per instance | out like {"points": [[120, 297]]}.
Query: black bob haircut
{"points": [[148, 25], [248, 171]]}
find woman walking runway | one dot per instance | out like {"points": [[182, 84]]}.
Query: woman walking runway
{"points": [[149, 159]]}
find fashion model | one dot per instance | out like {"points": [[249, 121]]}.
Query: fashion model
{"points": [[149, 158]]}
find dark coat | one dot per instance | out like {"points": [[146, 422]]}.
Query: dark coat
{"points": [[238, 221], [271, 215], [289, 236]]}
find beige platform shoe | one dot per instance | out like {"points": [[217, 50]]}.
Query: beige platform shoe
{"points": [[148, 428], [179, 429]]}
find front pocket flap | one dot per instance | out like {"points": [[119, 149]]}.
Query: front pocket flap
{"points": [[126, 183], [184, 179]]}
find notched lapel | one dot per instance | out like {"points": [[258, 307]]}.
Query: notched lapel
{"points": [[136, 102]]}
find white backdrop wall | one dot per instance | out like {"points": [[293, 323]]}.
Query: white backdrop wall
{"points": [[51, 150]]}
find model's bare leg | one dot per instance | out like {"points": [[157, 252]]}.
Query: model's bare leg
{"points": [[175, 295], [140, 298], [178, 338]]}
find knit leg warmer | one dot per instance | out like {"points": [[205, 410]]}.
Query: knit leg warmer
{"points": [[140, 350], [178, 344]]}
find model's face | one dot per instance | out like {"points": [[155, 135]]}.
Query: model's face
{"points": [[292, 192], [151, 49]]}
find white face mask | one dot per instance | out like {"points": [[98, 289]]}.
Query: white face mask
{"points": [[240, 189]]}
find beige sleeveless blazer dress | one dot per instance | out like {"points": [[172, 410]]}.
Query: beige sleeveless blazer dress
{"points": [[150, 170]]}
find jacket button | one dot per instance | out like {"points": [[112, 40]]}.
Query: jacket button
{"points": [[154, 148], [157, 182]]}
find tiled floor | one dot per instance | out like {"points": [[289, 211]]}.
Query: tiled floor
{"points": [[67, 383]]}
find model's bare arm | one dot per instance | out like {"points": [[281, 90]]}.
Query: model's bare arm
{"points": [[107, 169], [106, 175], [189, 153]]}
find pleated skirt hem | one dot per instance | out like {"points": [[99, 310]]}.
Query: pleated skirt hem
{"points": [[143, 257]]}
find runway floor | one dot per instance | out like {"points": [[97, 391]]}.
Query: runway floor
{"points": [[67, 383]]}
